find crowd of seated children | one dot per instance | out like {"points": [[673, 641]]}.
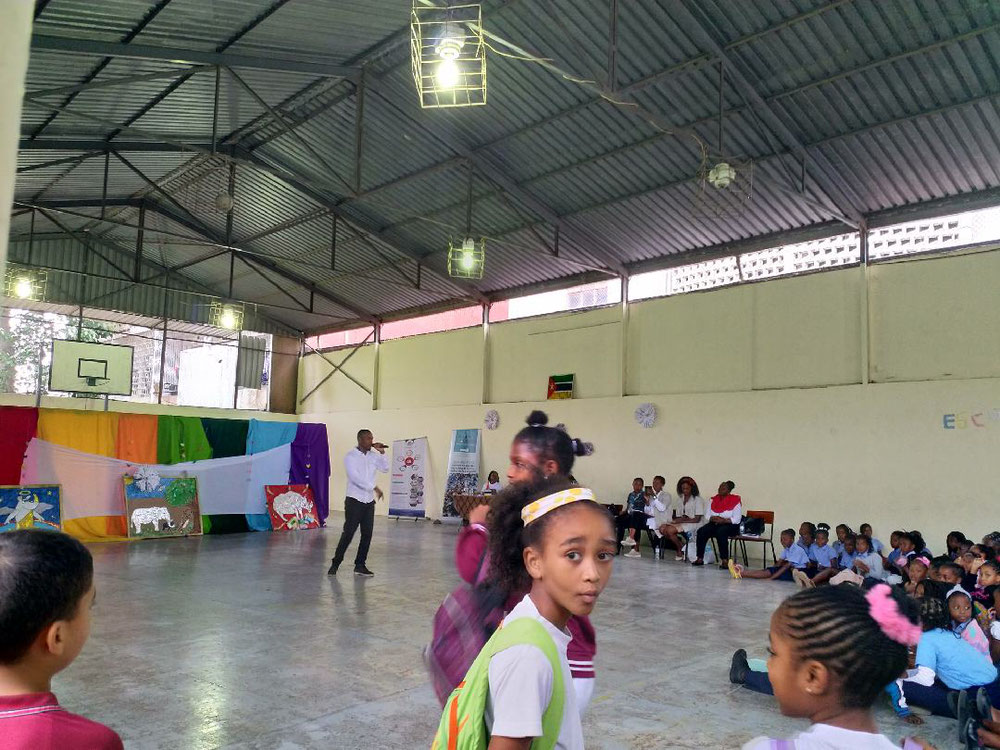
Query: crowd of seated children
{"points": [[953, 667]]}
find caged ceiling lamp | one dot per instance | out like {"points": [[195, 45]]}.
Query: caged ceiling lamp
{"points": [[227, 316], [467, 260], [448, 55], [25, 283]]}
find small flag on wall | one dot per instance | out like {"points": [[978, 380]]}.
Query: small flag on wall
{"points": [[560, 386]]}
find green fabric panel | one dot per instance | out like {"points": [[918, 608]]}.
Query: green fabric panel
{"points": [[206, 524], [181, 439], [228, 523], [228, 437]]}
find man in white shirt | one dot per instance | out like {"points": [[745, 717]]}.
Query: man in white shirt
{"points": [[360, 465]]}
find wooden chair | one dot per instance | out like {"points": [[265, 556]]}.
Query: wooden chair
{"points": [[767, 538]]}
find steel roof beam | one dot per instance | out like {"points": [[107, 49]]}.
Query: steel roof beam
{"points": [[270, 164], [151, 14], [832, 188], [186, 56], [500, 178]]}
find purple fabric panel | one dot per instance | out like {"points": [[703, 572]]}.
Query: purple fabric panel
{"points": [[311, 465]]}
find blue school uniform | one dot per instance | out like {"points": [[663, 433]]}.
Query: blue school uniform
{"points": [[824, 556], [877, 546], [795, 556], [847, 559], [955, 661]]}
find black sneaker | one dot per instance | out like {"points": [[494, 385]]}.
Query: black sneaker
{"points": [[363, 571], [739, 668], [333, 569]]}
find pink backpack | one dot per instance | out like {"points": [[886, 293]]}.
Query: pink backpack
{"points": [[463, 624]]}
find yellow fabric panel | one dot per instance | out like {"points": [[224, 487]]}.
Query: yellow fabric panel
{"points": [[86, 431], [97, 528], [137, 438]]}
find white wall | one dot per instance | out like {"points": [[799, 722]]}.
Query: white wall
{"points": [[761, 383]]}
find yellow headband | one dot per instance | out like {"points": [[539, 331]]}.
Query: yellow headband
{"points": [[534, 511]]}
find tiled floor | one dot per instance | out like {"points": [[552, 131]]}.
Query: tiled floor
{"points": [[243, 642]]}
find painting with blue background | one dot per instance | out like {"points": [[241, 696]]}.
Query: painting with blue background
{"points": [[30, 507]]}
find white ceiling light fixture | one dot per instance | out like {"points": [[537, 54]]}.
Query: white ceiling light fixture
{"points": [[227, 316], [448, 55], [25, 283], [467, 260]]}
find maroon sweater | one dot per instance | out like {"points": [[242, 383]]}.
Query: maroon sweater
{"points": [[472, 543]]}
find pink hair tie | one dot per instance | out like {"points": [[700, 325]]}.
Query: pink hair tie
{"points": [[894, 624], [924, 560]]}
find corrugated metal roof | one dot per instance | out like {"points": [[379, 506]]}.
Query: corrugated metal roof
{"points": [[896, 102]]}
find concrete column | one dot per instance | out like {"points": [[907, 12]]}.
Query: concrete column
{"points": [[15, 39]]}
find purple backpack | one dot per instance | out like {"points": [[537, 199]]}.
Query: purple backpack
{"points": [[466, 619]]}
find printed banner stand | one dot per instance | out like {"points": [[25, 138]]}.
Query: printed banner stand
{"points": [[463, 470], [408, 489]]}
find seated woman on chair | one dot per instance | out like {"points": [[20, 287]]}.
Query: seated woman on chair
{"points": [[687, 513], [724, 516]]}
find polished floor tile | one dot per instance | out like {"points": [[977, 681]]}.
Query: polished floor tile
{"points": [[243, 642]]}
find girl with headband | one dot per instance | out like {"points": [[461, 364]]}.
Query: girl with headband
{"points": [[558, 544], [538, 454], [833, 650]]}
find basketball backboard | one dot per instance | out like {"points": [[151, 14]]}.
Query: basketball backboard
{"points": [[82, 367]]}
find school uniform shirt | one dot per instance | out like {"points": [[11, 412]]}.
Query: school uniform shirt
{"points": [[824, 556], [893, 556], [36, 721], [838, 546], [826, 737], [874, 562], [955, 662], [877, 546], [361, 469], [521, 684], [795, 556], [846, 559]]}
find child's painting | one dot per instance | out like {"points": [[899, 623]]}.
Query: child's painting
{"points": [[291, 507], [30, 507], [157, 506]]}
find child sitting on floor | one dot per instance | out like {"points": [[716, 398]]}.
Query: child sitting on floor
{"points": [[793, 557], [962, 621], [945, 662], [895, 552], [876, 545], [46, 592], [988, 584], [916, 571], [842, 531], [821, 665]]}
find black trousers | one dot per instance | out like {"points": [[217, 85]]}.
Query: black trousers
{"points": [[631, 520], [718, 531], [358, 514]]}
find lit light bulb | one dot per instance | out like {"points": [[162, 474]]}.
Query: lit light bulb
{"points": [[228, 318], [468, 260], [447, 75], [23, 288]]}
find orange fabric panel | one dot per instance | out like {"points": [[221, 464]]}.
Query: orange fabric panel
{"points": [[137, 438]]}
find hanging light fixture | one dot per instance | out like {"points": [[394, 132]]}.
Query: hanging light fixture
{"points": [[25, 283], [467, 259], [448, 55], [228, 316]]}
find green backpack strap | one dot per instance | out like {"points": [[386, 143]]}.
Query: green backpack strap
{"points": [[462, 726]]}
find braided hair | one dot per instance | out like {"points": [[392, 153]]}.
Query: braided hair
{"points": [[833, 625], [551, 442], [509, 536], [934, 613]]}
